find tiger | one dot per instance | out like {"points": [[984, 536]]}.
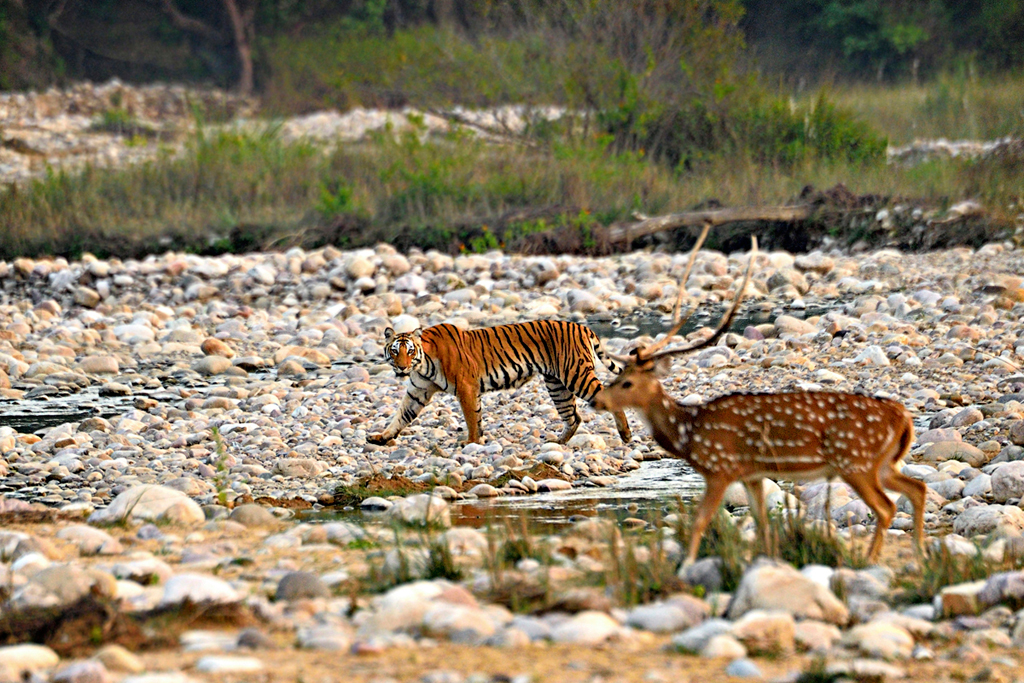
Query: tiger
{"points": [[467, 363]]}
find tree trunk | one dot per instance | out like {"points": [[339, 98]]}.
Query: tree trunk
{"points": [[649, 226], [241, 28]]}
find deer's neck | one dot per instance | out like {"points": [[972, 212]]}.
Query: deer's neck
{"points": [[670, 424]]}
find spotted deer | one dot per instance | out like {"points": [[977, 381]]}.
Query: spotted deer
{"points": [[793, 435]]}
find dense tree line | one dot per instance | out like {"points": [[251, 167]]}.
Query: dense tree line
{"points": [[51, 41], [884, 39]]}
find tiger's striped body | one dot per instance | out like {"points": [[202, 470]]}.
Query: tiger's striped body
{"points": [[467, 363]]}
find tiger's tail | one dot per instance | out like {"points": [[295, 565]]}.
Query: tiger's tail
{"points": [[603, 356]]}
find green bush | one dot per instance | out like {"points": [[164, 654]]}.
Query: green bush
{"points": [[777, 131]]}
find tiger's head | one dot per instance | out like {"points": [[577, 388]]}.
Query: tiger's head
{"points": [[403, 351]]}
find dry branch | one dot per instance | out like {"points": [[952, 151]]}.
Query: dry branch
{"points": [[713, 217]]}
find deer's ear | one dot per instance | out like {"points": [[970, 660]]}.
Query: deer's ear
{"points": [[663, 366], [389, 334]]}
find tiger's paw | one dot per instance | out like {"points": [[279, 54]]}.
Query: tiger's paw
{"points": [[378, 439]]}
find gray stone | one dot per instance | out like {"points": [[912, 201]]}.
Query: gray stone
{"points": [[99, 365], [979, 487], [787, 324], [212, 365], [693, 640], [253, 515], [117, 658], [881, 640], [87, 297], [221, 664], [255, 639], [459, 623], [766, 632], [149, 502], [941, 451], [933, 435], [1008, 481], [89, 671], [984, 519], [661, 618], [723, 645], [197, 588], [298, 467], [17, 659], [743, 668], [585, 628], [300, 585], [768, 585], [325, 638], [706, 572], [950, 489], [63, 584], [421, 510], [90, 541], [1003, 587]]}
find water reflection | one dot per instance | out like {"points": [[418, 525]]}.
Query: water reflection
{"points": [[647, 493]]}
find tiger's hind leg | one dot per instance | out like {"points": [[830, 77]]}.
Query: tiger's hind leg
{"points": [[588, 390], [622, 425], [565, 402]]}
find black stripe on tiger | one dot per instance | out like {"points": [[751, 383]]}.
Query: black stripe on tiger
{"points": [[467, 363]]}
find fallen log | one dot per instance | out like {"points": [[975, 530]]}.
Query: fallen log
{"points": [[712, 217]]}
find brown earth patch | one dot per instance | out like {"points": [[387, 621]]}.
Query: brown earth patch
{"points": [[377, 485], [287, 503], [79, 629], [75, 630]]}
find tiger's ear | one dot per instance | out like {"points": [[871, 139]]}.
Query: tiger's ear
{"points": [[416, 333], [388, 335]]}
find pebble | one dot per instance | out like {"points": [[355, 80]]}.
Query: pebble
{"points": [[197, 588], [743, 668], [117, 658], [83, 672], [585, 628], [217, 664], [30, 658], [769, 585], [300, 585]]}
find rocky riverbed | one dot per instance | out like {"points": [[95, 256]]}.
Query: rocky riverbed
{"points": [[245, 386]]}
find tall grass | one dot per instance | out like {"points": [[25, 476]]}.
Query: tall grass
{"points": [[953, 106], [232, 190], [427, 66]]}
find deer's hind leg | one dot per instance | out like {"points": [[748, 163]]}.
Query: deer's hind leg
{"points": [[868, 487], [913, 489], [758, 509]]}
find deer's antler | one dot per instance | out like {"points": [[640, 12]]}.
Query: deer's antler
{"points": [[723, 325], [686, 273]]}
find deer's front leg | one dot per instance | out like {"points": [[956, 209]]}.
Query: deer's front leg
{"points": [[707, 509], [415, 399]]}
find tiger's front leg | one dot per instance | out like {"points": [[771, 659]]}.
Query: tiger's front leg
{"points": [[469, 399], [415, 400]]}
